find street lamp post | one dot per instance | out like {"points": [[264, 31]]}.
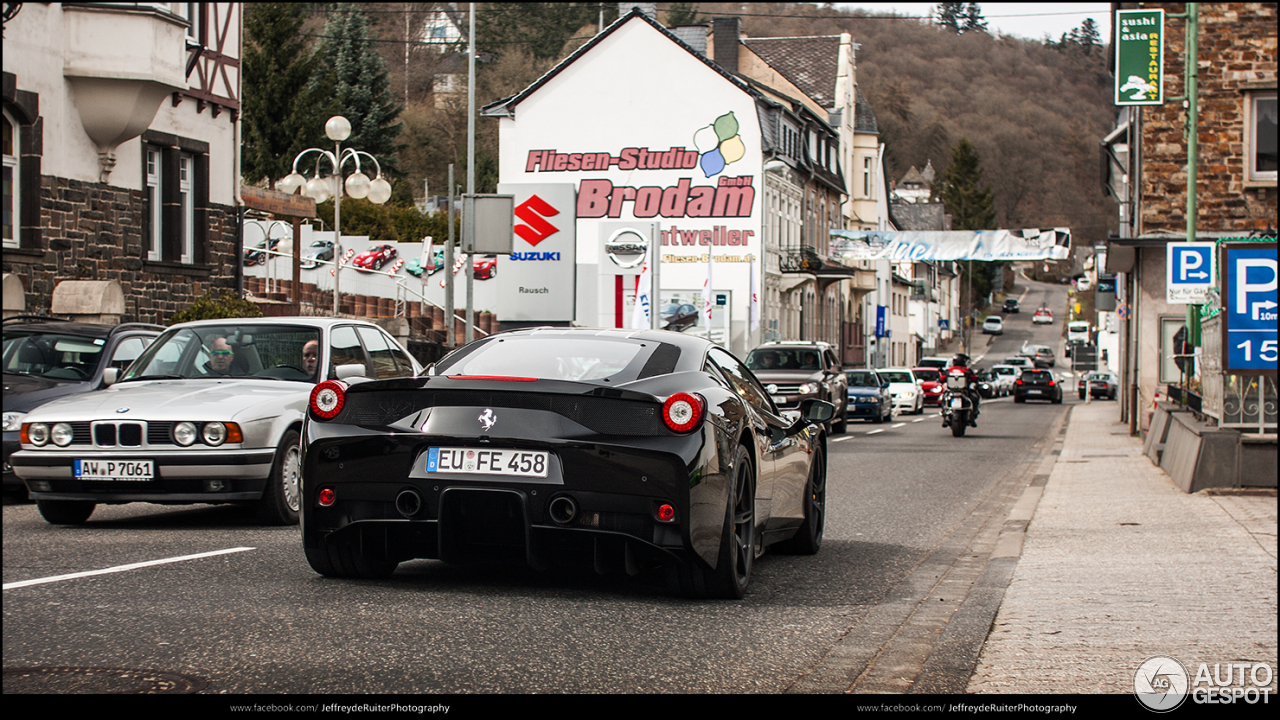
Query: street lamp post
{"points": [[358, 185]]}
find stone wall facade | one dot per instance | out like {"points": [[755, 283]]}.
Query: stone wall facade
{"points": [[94, 231], [1237, 56]]}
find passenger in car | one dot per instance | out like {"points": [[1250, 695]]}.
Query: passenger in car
{"points": [[311, 356], [220, 358]]}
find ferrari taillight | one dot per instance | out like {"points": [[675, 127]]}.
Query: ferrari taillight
{"points": [[683, 412], [327, 399]]}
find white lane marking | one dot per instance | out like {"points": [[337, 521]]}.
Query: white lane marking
{"points": [[121, 568], [843, 438], [918, 420], [873, 432], [898, 425]]}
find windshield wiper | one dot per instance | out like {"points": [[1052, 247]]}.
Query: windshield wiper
{"points": [[154, 377]]}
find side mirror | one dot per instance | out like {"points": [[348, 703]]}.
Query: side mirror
{"points": [[109, 376], [815, 411], [884, 386], [349, 371]]}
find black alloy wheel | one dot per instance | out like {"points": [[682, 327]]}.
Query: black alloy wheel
{"points": [[808, 539]]}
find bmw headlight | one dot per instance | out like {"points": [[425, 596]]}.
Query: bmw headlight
{"points": [[13, 420], [38, 433], [184, 433], [61, 434], [214, 433]]}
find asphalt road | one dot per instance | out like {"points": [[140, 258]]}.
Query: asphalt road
{"points": [[908, 508]]}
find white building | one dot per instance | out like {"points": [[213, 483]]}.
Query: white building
{"points": [[122, 134]]}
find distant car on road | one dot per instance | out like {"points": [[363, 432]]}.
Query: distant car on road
{"points": [[375, 257], [907, 393], [869, 396], [1037, 385], [993, 325], [1043, 316], [795, 371], [1011, 305], [1004, 375], [1020, 362], [1100, 384], [1041, 355], [930, 384], [1077, 332]]}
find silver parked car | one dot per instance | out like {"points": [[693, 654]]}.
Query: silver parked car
{"points": [[211, 413]]}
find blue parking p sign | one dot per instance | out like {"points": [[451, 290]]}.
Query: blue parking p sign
{"points": [[1250, 308], [1190, 272]]}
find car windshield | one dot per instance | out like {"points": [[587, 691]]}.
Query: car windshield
{"points": [[783, 359], [928, 374], [896, 376], [863, 379], [1004, 370], [553, 358], [228, 350], [52, 355]]}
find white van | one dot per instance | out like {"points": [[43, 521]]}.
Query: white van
{"points": [[1077, 332]]}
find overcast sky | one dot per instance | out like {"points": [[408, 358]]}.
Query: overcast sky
{"points": [[1031, 21]]}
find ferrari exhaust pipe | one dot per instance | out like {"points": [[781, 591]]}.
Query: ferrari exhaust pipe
{"points": [[408, 503], [563, 510]]}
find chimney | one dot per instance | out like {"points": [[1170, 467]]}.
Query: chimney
{"points": [[695, 36], [726, 40]]}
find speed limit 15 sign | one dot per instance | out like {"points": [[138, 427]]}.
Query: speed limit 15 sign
{"points": [[1250, 308]]}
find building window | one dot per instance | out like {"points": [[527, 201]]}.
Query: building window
{"points": [[1262, 137], [174, 196], [154, 204], [867, 173], [11, 182], [186, 168]]}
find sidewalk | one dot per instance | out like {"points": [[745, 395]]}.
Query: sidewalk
{"points": [[1118, 565]]}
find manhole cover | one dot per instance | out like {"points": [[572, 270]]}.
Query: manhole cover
{"points": [[85, 680]]}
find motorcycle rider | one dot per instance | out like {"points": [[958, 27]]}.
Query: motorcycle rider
{"points": [[961, 362]]}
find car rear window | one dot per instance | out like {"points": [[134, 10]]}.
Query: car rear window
{"points": [[1036, 376], [557, 358], [927, 374], [896, 377]]}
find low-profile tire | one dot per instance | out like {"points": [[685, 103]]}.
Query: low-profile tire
{"points": [[808, 539], [958, 426], [732, 573], [282, 496], [65, 512], [1019, 399]]}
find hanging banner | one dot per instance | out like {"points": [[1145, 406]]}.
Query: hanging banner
{"points": [[1139, 71], [990, 245]]}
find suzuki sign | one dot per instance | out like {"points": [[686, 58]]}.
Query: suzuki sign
{"points": [[536, 281]]}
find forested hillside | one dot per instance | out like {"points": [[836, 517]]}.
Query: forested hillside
{"points": [[1034, 112]]}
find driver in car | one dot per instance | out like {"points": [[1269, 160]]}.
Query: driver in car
{"points": [[220, 358]]}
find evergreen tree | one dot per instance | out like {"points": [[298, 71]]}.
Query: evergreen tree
{"points": [[280, 114], [971, 207], [973, 20], [949, 14], [1086, 36], [683, 14], [355, 76]]}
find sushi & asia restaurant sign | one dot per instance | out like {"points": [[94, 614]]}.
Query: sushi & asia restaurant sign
{"points": [[634, 132]]}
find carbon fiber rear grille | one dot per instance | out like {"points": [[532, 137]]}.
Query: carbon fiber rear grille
{"points": [[607, 416]]}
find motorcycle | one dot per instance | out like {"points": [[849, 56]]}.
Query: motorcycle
{"points": [[958, 410]]}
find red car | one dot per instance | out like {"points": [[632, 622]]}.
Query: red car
{"points": [[375, 257], [485, 267], [930, 383]]}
